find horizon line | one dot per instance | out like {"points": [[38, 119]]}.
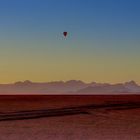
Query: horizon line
{"points": [[65, 81]]}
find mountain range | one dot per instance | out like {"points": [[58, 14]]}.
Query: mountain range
{"points": [[72, 86]]}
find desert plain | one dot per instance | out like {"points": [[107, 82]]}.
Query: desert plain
{"points": [[70, 117]]}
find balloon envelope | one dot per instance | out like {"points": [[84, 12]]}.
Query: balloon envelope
{"points": [[65, 33]]}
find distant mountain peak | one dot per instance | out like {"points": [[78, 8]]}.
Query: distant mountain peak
{"points": [[26, 82], [131, 83], [74, 81]]}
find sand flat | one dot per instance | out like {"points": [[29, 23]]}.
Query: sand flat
{"points": [[98, 124]]}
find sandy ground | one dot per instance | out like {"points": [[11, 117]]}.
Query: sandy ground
{"points": [[99, 124]]}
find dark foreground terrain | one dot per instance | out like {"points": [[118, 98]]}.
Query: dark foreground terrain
{"points": [[70, 117]]}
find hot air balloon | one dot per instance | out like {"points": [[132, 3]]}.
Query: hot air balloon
{"points": [[65, 34]]}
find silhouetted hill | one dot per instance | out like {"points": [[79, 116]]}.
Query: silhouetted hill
{"points": [[72, 86], [128, 87]]}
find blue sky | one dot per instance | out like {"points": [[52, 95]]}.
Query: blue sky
{"points": [[100, 31], [99, 18]]}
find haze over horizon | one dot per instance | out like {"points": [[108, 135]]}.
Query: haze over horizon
{"points": [[103, 40], [70, 81], [69, 87]]}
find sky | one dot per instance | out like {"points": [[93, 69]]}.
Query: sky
{"points": [[103, 42]]}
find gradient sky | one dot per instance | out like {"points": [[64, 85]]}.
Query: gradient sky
{"points": [[103, 44]]}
